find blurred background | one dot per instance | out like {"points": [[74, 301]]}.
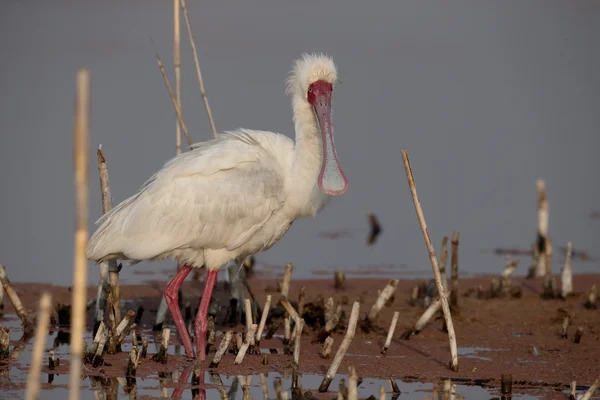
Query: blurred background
{"points": [[487, 97]]}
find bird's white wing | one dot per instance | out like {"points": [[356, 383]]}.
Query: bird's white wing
{"points": [[216, 196]]}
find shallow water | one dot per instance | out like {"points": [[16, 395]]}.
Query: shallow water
{"points": [[487, 97], [156, 385]]}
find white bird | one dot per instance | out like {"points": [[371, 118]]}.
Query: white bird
{"points": [[232, 196]]}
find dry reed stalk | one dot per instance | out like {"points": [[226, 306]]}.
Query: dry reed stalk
{"points": [[590, 303], [433, 259], [221, 349], [327, 346], [134, 358], [383, 298], [443, 262], [565, 327], [301, 297], [506, 382], [177, 62], [390, 334], [543, 216], [99, 332], [285, 285], [339, 278], [162, 354], [454, 274], [1, 298], [289, 308], [424, 319], [242, 352], [297, 340], [286, 330], [382, 395], [81, 148], [578, 335], [573, 391], [144, 348], [113, 269], [352, 387], [342, 349], [26, 318], [124, 322], [174, 100], [590, 392], [566, 286], [263, 319], [198, 72], [249, 321], [505, 283], [33, 378]]}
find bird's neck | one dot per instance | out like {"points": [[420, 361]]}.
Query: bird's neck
{"points": [[308, 156]]}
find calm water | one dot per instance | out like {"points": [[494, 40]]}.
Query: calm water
{"points": [[487, 97]]}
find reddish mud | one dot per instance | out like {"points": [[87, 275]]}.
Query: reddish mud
{"points": [[503, 332]]}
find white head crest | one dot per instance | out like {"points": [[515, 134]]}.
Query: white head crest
{"points": [[308, 69]]}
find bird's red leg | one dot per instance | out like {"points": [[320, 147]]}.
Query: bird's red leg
{"points": [[201, 323], [171, 296]]}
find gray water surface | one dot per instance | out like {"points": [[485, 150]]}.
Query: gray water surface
{"points": [[487, 97]]}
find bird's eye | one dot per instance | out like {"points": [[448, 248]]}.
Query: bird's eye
{"points": [[310, 89]]}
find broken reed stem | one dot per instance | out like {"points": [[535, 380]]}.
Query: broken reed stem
{"points": [[443, 262], [174, 100], [249, 321], [263, 319], [543, 216], [81, 148], [198, 72], [300, 326], [327, 346], [342, 349], [221, 349], [390, 334], [385, 295], [588, 395], [24, 316], [263, 385], [113, 269], [506, 386], [134, 356], [285, 285], [573, 391], [289, 308], [286, 330], [433, 259], [242, 352], [566, 286], [454, 276], [43, 317], [352, 386], [177, 62]]}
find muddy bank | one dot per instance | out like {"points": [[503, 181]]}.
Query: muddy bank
{"points": [[495, 336]]}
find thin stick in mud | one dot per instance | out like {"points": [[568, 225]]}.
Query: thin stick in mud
{"points": [[198, 72], [590, 392], [263, 319], [342, 349], [221, 349], [542, 234], [383, 298], [242, 352], [43, 317], [454, 273], [113, 269], [390, 334], [444, 261], [297, 340], [566, 285], [434, 263], [24, 316], [81, 149], [285, 285]]}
